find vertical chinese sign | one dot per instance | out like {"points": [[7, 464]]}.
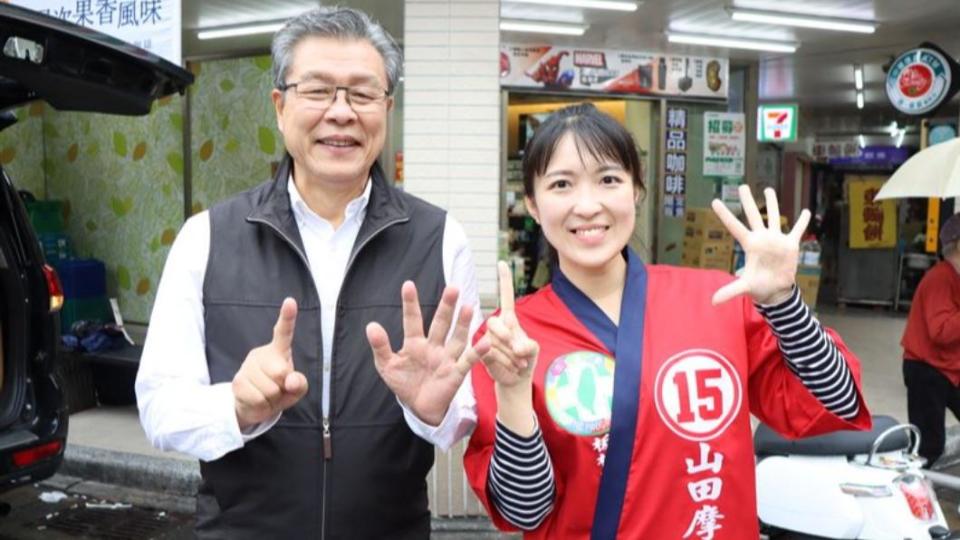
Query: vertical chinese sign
{"points": [[153, 25], [675, 163], [873, 224]]}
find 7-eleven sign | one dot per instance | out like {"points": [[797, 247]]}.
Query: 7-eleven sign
{"points": [[777, 123]]}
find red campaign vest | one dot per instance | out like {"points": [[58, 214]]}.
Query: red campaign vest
{"points": [[705, 369]]}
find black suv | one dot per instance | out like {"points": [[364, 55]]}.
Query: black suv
{"points": [[77, 69]]}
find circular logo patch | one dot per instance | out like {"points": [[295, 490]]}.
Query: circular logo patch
{"points": [[579, 392], [697, 394], [919, 81]]}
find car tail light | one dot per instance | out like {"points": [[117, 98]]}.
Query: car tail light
{"points": [[29, 456], [53, 286], [919, 496]]}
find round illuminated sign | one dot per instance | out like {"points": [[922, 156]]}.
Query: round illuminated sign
{"points": [[919, 81]]}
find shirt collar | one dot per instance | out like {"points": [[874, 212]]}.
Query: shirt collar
{"points": [[356, 209]]}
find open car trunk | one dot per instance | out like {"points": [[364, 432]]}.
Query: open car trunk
{"points": [[76, 69]]}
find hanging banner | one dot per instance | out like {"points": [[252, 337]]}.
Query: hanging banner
{"points": [[873, 224], [724, 144], [613, 71], [152, 25]]}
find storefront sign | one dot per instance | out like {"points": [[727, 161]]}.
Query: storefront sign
{"points": [[921, 79], [613, 71], [873, 224], [873, 157], [153, 25], [724, 144], [675, 163], [777, 123], [828, 150]]}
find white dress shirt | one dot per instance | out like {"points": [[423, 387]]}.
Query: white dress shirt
{"points": [[181, 410]]}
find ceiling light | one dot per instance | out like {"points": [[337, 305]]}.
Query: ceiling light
{"points": [[245, 30], [859, 100], [858, 77], [733, 43], [538, 27], [802, 20], [589, 4]]}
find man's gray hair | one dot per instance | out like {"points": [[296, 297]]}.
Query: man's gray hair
{"points": [[336, 22]]}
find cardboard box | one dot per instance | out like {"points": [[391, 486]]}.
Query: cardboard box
{"points": [[706, 242], [808, 280], [704, 223], [715, 255]]}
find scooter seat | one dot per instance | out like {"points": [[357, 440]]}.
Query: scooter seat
{"points": [[766, 442]]}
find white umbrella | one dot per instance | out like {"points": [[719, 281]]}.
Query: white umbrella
{"points": [[932, 172]]}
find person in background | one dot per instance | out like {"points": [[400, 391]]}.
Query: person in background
{"points": [[296, 434], [931, 346]]}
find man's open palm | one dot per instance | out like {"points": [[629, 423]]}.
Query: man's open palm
{"points": [[428, 369]]}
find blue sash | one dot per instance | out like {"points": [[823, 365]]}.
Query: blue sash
{"points": [[627, 349]]}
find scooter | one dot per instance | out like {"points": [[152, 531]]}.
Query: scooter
{"points": [[847, 484]]}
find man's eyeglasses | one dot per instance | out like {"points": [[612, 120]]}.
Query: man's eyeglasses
{"points": [[320, 95]]}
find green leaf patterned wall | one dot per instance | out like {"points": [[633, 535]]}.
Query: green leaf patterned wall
{"points": [[123, 177], [21, 149], [124, 194], [233, 128]]}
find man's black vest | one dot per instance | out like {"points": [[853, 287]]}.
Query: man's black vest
{"points": [[279, 485]]}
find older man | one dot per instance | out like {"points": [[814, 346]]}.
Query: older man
{"points": [[297, 435], [931, 346]]}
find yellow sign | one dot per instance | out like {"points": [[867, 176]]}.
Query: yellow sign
{"points": [[933, 224], [872, 224]]}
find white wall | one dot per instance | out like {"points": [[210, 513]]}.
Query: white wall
{"points": [[451, 121]]}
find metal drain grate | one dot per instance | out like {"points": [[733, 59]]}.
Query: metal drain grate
{"points": [[127, 524]]}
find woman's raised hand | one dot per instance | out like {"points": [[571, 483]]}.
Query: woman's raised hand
{"points": [[770, 271], [512, 355]]}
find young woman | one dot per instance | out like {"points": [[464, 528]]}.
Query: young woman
{"points": [[616, 401]]}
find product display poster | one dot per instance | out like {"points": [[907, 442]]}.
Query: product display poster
{"points": [[724, 144], [873, 224], [152, 25], [613, 71]]}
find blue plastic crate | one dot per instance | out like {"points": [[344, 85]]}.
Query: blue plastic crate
{"points": [[82, 278]]}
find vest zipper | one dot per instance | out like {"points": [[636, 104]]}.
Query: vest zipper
{"points": [[327, 440], [327, 446], [327, 454]]}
